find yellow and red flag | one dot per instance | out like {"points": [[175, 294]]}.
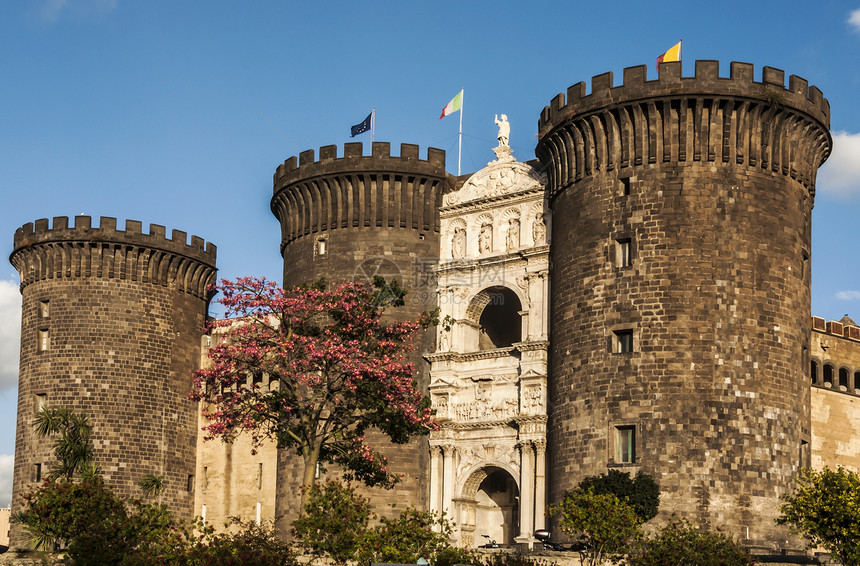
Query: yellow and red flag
{"points": [[673, 54]]}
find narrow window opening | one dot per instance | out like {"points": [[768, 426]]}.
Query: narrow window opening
{"points": [[44, 311], [857, 382], [205, 478], [322, 246], [190, 484], [624, 252], [260, 476], [44, 340], [625, 186], [813, 372], [626, 443], [37, 473], [843, 379], [828, 375], [257, 378], [623, 341], [41, 401], [804, 451]]}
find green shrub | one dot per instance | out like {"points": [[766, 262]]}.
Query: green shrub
{"points": [[825, 508], [334, 521], [607, 525], [682, 544], [641, 492], [406, 538]]}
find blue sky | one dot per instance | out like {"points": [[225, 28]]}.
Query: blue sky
{"points": [[177, 113]]}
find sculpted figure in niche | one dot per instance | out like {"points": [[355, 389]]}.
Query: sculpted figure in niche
{"points": [[513, 240], [538, 229], [458, 243], [504, 130], [485, 239]]}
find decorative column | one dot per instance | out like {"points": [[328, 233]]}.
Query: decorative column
{"points": [[447, 478], [436, 480], [527, 474], [540, 484]]}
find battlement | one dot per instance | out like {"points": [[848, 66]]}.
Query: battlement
{"points": [[359, 191], [82, 230], [706, 82], [835, 328], [59, 251], [354, 159]]}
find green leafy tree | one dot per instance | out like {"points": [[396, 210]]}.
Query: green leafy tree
{"points": [[825, 508], [642, 492], [73, 447], [413, 534], [607, 526], [681, 543], [245, 544], [84, 516], [335, 369], [334, 521]]}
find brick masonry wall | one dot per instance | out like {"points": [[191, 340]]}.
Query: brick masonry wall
{"points": [[378, 215], [717, 295], [836, 406], [121, 351]]}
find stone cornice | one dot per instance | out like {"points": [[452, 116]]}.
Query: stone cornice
{"points": [[471, 356]]}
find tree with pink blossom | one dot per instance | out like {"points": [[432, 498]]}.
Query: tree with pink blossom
{"points": [[327, 367]]}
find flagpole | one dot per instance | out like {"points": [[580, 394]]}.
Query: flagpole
{"points": [[373, 126], [460, 149]]}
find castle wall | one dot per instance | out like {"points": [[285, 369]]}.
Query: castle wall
{"points": [[111, 329], [835, 397], [235, 479], [689, 345], [350, 218]]}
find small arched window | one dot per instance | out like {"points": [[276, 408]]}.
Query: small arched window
{"points": [[828, 375], [843, 379], [500, 323]]}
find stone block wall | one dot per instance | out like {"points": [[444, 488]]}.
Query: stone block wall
{"points": [[693, 341], [111, 329], [835, 377], [350, 218]]}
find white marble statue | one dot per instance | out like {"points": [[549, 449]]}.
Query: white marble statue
{"points": [[513, 239], [458, 243], [504, 130], [485, 239]]}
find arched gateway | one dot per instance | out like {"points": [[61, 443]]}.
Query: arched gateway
{"points": [[488, 377]]}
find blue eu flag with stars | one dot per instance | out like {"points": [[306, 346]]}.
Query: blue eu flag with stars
{"points": [[361, 127]]}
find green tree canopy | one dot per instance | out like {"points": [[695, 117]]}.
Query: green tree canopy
{"points": [[825, 508]]}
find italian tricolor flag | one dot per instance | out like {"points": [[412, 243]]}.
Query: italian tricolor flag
{"points": [[673, 54], [453, 106]]}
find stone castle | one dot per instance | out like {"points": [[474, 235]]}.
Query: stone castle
{"points": [[637, 298]]}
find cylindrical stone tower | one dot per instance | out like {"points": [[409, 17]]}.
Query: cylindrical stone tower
{"points": [[680, 285], [111, 328], [350, 218]]}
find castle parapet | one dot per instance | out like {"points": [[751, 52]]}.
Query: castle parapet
{"points": [[312, 195], [676, 119], [57, 250]]}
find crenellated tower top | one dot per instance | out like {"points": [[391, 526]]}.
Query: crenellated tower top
{"points": [[353, 159], [676, 119], [60, 250], [358, 191]]}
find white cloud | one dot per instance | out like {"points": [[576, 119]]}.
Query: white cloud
{"points": [[7, 462], [53, 10], [840, 175], [10, 333], [848, 295], [854, 19]]}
